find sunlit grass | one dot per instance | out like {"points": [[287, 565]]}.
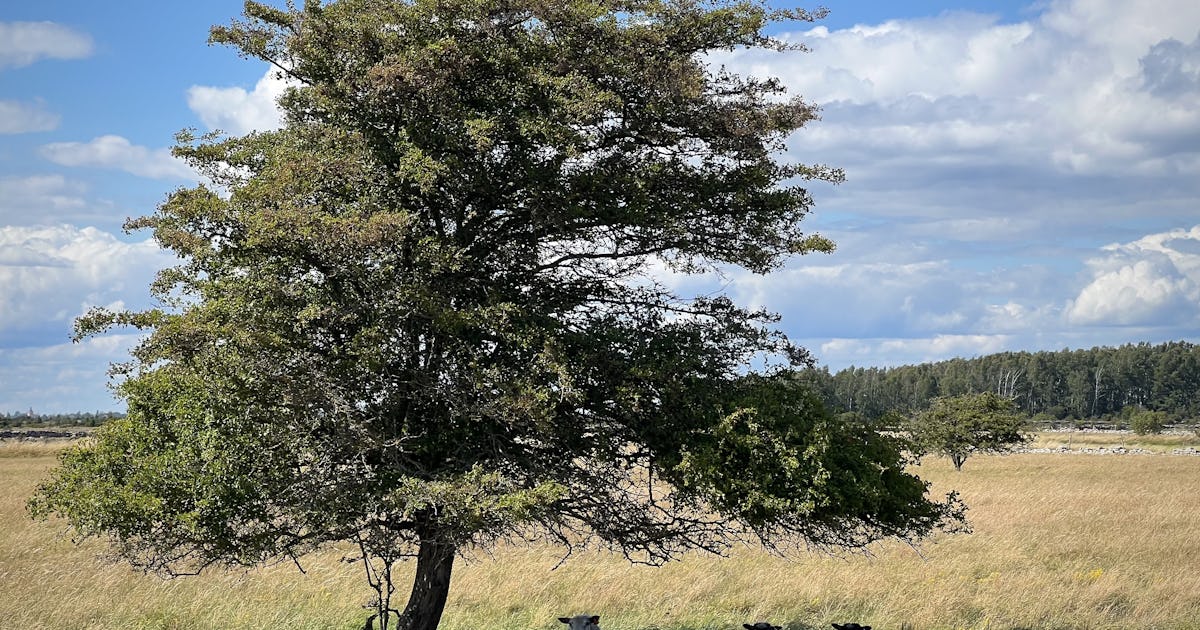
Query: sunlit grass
{"points": [[1163, 443], [31, 448], [1060, 542]]}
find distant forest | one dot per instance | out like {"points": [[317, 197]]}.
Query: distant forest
{"points": [[1067, 385], [31, 419]]}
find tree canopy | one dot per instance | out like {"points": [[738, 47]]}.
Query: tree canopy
{"points": [[958, 426], [427, 313]]}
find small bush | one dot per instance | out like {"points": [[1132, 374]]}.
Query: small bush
{"points": [[1148, 422]]}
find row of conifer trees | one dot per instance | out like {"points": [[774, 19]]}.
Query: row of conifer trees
{"points": [[1095, 384]]}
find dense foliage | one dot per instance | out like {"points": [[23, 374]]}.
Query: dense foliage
{"points": [[960, 426], [1069, 384], [425, 315], [1146, 422]]}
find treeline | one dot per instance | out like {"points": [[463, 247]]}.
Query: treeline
{"points": [[1070, 384], [78, 419]]}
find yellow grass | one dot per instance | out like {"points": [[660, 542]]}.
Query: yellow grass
{"points": [[1061, 542], [1164, 443]]}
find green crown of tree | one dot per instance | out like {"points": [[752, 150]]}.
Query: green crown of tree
{"points": [[423, 315], [957, 426]]}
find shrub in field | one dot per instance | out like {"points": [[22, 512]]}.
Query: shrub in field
{"points": [[957, 426], [1148, 422]]}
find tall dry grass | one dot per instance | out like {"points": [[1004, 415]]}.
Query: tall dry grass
{"points": [[1061, 542], [1160, 443]]}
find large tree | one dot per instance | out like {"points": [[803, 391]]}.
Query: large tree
{"points": [[426, 314]]}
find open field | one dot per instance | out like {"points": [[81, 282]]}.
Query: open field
{"points": [[1061, 542], [1162, 443]]}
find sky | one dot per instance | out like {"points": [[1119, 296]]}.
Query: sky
{"points": [[1019, 176]]}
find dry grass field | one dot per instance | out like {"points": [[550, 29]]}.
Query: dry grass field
{"points": [[1163, 443], [1061, 541]]}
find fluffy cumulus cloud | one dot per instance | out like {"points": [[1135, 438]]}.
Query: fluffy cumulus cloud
{"points": [[50, 275], [1172, 69], [1047, 94], [1087, 87], [18, 117], [1154, 280], [236, 111], [118, 153], [22, 43], [988, 162]]}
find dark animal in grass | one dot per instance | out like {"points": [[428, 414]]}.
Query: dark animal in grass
{"points": [[849, 626], [582, 622], [761, 625]]}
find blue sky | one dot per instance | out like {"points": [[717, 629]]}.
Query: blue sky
{"points": [[1021, 176]]}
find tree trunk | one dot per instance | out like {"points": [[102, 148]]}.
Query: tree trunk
{"points": [[431, 585], [958, 459]]}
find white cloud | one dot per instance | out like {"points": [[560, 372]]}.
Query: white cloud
{"points": [[1124, 30], [1088, 87], [22, 43], [1154, 280], [18, 117], [116, 152], [236, 111], [62, 378], [1013, 317], [887, 352], [50, 275]]}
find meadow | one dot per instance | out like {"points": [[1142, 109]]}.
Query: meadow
{"points": [[1060, 542]]}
